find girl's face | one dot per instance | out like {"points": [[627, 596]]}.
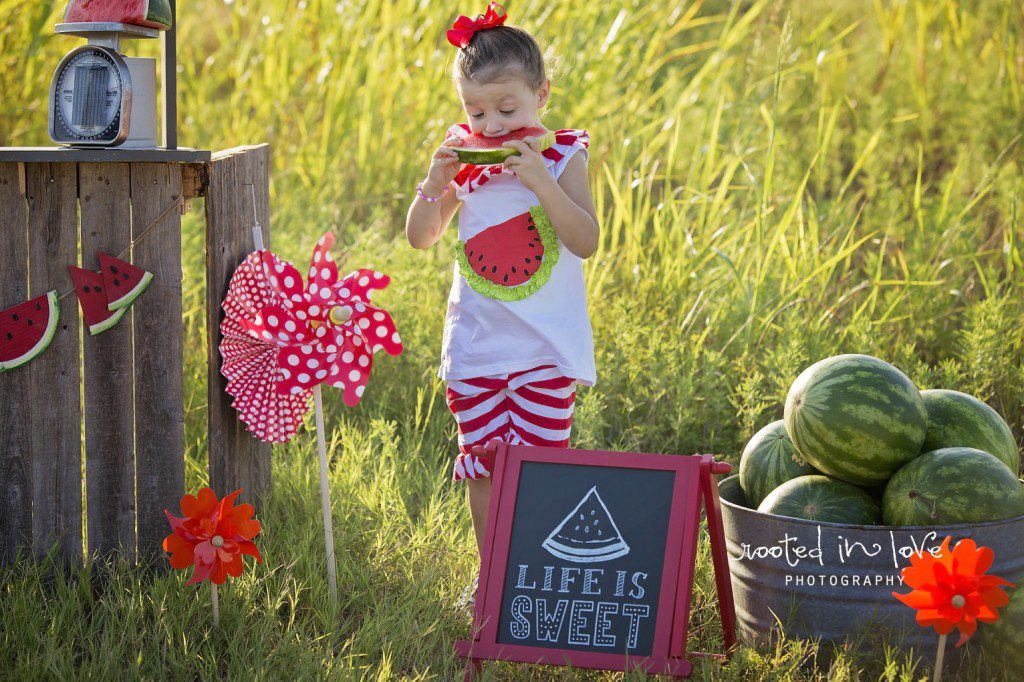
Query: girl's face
{"points": [[497, 108]]}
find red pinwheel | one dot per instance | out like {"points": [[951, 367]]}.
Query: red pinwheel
{"points": [[212, 536], [282, 338], [952, 590], [464, 28]]}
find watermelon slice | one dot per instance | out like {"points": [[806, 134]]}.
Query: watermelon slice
{"points": [[511, 260], [123, 281], [588, 534], [93, 298], [479, 150], [27, 329], [151, 13]]}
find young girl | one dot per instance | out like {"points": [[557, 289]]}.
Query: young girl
{"points": [[513, 350]]}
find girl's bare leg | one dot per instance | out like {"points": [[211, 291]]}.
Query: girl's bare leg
{"points": [[479, 491]]}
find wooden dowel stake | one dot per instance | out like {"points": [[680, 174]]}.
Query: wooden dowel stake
{"points": [[325, 493]]}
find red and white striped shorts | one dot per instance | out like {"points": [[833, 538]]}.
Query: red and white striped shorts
{"points": [[532, 407]]}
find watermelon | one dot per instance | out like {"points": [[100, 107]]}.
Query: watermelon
{"points": [[93, 299], [956, 419], [480, 150], [588, 534], [123, 281], [27, 329], [951, 486], [151, 13], [856, 417], [768, 461], [1002, 642], [824, 499], [510, 260]]}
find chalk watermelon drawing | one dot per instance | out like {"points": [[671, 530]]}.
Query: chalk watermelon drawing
{"points": [[588, 534]]}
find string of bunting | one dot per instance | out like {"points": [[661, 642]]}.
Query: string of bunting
{"points": [[27, 328]]}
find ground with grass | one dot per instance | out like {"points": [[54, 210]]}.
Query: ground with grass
{"points": [[777, 182]]}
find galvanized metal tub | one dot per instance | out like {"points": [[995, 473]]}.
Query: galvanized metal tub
{"points": [[833, 581]]}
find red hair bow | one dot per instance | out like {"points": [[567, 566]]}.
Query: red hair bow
{"points": [[464, 28]]}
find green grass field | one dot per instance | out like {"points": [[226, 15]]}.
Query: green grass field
{"points": [[777, 182]]}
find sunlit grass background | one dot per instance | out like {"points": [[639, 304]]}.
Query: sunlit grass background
{"points": [[777, 182]]}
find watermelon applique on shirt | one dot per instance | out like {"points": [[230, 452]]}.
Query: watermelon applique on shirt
{"points": [[511, 260], [588, 534]]}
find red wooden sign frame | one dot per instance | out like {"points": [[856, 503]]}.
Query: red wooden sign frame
{"points": [[694, 484]]}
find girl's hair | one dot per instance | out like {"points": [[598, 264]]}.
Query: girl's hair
{"points": [[496, 53]]}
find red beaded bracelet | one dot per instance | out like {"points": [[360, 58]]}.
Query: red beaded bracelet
{"points": [[429, 200]]}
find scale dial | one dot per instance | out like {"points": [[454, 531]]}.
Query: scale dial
{"points": [[90, 98]]}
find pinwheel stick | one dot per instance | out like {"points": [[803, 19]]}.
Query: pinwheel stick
{"points": [[325, 493], [939, 659], [216, 605], [321, 448]]}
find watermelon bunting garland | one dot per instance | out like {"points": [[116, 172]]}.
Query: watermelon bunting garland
{"points": [[27, 329], [105, 296], [124, 282], [91, 294]]}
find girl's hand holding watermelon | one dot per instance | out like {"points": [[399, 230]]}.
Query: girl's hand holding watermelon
{"points": [[444, 166], [434, 206], [529, 165]]}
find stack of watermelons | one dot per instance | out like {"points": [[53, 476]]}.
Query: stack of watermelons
{"points": [[859, 443]]}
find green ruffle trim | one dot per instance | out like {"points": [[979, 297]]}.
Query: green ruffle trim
{"points": [[482, 285]]}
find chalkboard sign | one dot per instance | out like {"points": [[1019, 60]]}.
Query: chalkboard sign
{"points": [[589, 559]]}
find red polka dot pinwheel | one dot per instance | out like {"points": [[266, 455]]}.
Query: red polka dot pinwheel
{"points": [[951, 590], [213, 536], [283, 336]]}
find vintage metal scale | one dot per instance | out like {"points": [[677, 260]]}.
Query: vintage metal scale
{"points": [[99, 97]]}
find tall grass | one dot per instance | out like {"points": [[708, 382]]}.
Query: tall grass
{"points": [[777, 182]]}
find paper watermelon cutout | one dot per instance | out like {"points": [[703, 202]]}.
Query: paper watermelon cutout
{"points": [[588, 534], [123, 281], [152, 13], [27, 329], [477, 149], [93, 298], [511, 260], [283, 337]]}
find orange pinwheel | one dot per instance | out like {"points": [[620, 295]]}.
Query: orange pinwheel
{"points": [[213, 536], [950, 590]]}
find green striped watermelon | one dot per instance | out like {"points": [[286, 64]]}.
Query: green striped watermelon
{"points": [[822, 498], [950, 486], [856, 417], [1002, 642], [768, 461], [956, 419]]}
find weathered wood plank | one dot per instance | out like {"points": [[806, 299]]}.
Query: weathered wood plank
{"points": [[108, 369], [159, 409], [56, 417], [237, 459], [15, 455], [257, 162]]}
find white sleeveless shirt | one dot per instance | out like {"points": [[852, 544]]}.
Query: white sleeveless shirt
{"points": [[491, 328]]}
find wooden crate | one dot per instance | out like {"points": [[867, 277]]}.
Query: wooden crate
{"points": [[111, 406]]}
